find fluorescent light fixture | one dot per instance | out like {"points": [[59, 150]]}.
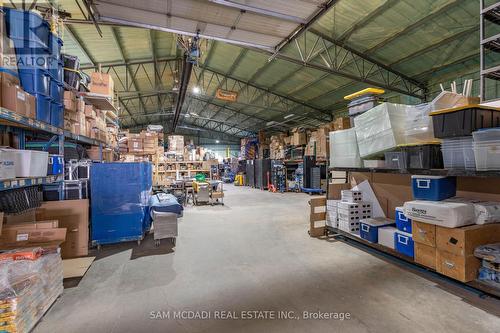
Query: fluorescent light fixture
{"points": [[289, 116], [217, 141], [269, 123], [196, 90]]}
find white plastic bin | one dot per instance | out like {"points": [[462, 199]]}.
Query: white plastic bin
{"points": [[344, 149], [458, 153], [7, 164], [31, 163], [487, 156]]}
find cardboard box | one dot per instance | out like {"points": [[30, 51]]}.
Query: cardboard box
{"points": [[70, 101], [335, 190], [28, 216], [1, 222], [299, 139], [462, 268], [13, 238], [74, 216], [30, 106], [341, 124], [72, 116], [90, 112], [102, 84], [80, 105], [425, 255], [13, 96], [424, 233], [463, 241], [51, 224]]}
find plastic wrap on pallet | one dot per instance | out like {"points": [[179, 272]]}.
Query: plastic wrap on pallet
{"points": [[418, 124], [30, 282], [120, 201], [381, 128]]}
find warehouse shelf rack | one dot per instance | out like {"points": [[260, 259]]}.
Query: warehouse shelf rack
{"points": [[478, 287], [431, 172], [11, 184], [489, 15]]}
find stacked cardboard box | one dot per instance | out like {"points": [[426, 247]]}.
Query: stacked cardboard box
{"points": [[135, 144], [150, 142], [102, 84], [44, 233], [277, 147], [318, 140], [176, 144], [450, 251], [298, 137], [112, 135], [14, 98]]}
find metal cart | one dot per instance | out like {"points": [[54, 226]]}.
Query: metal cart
{"points": [[201, 192], [216, 192]]}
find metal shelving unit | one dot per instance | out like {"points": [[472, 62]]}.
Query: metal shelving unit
{"points": [[431, 172], [489, 15], [11, 184]]}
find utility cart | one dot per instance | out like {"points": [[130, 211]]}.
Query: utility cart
{"points": [[216, 192], [201, 192]]}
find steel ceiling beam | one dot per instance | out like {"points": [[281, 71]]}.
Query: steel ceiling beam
{"points": [[416, 25], [366, 20], [131, 62]]}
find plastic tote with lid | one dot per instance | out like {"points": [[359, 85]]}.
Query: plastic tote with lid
{"points": [[433, 188], [31, 163], [487, 149], [344, 149], [368, 229]]}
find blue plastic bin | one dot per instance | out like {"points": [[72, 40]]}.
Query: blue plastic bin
{"points": [[35, 81], [404, 244], [56, 164], [43, 108], [56, 114], [55, 45], [403, 223], [56, 91], [433, 188], [56, 70], [28, 26], [368, 229]]}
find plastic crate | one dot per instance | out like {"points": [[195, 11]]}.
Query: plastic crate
{"points": [[43, 108], [56, 70], [463, 121], [423, 157], [403, 223], [56, 114], [27, 25], [56, 91], [396, 160], [368, 229], [433, 188], [72, 78], [458, 153], [404, 244], [55, 45], [35, 81]]}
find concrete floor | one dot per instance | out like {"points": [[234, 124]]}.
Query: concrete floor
{"points": [[254, 254]]}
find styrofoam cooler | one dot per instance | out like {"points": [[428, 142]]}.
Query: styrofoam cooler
{"points": [[403, 223], [386, 236], [7, 164], [344, 149], [434, 188], [403, 243], [368, 228], [31, 163]]}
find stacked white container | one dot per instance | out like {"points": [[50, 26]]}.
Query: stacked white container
{"points": [[487, 149], [344, 151], [331, 213], [381, 128], [458, 153], [351, 210]]}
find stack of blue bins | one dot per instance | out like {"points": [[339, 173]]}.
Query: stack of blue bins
{"points": [[403, 238], [38, 53]]}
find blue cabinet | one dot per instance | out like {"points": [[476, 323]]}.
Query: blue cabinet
{"points": [[119, 201]]}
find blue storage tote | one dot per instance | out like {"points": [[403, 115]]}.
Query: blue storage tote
{"points": [[43, 108], [56, 70], [56, 114], [56, 165], [35, 81], [403, 223], [27, 26], [433, 188], [369, 228], [404, 244], [55, 45], [56, 91], [120, 201]]}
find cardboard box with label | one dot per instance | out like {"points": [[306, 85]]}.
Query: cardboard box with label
{"points": [[31, 234], [102, 84], [74, 216], [13, 97]]}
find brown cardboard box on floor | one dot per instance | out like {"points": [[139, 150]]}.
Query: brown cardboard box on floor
{"points": [[74, 216], [425, 255], [463, 241], [462, 268], [31, 237], [424, 233], [51, 224]]}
